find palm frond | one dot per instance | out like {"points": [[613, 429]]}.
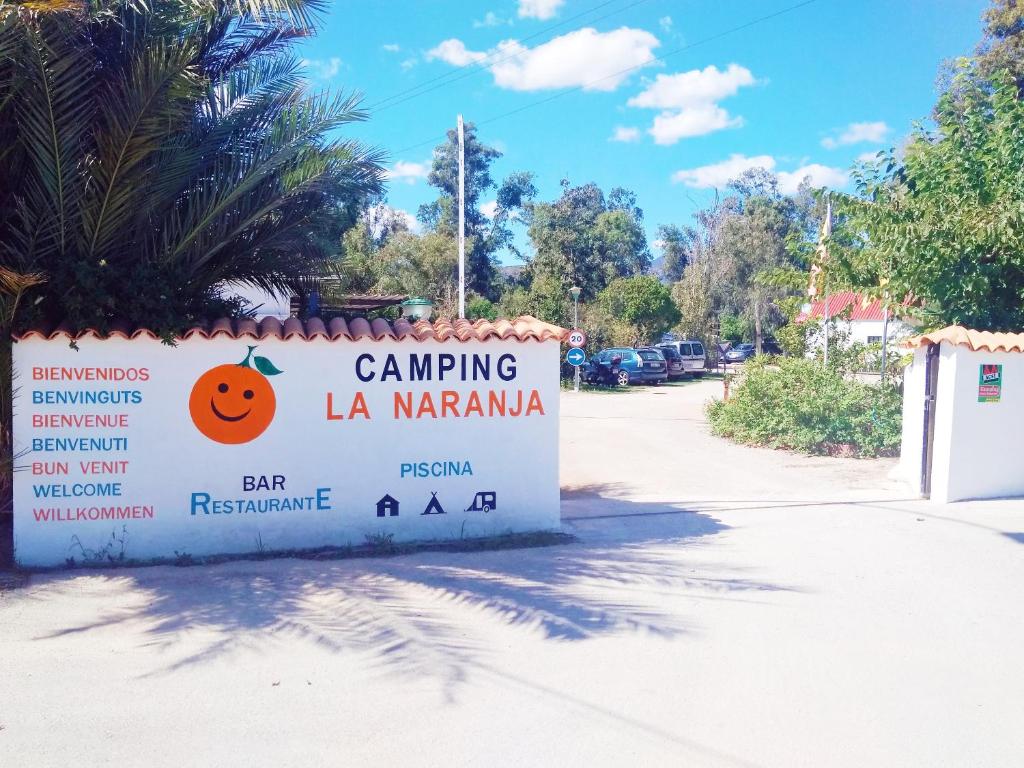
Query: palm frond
{"points": [[237, 180], [54, 117], [135, 116]]}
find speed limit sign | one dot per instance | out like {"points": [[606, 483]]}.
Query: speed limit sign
{"points": [[577, 338]]}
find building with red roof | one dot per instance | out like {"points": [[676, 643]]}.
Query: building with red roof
{"points": [[860, 316]]}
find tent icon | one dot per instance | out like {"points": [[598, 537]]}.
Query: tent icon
{"points": [[434, 507]]}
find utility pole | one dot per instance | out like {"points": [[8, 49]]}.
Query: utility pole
{"points": [[885, 336], [462, 221], [826, 232], [575, 291]]}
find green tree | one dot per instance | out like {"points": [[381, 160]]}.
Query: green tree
{"points": [[642, 304], [1001, 49], [754, 239], [584, 239], [734, 328], [946, 225], [546, 298], [1002, 44], [676, 250], [489, 234], [699, 292]]}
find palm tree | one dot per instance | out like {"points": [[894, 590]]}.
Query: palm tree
{"points": [[152, 150]]}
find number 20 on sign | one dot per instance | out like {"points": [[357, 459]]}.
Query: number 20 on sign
{"points": [[577, 338]]}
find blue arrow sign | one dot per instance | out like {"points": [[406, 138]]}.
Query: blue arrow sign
{"points": [[576, 357]]}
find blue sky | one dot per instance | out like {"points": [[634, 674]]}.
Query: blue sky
{"points": [[804, 92]]}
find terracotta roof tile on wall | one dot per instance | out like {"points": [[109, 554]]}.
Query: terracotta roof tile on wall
{"points": [[977, 341], [523, 328]]}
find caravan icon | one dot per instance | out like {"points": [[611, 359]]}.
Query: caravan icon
{"points": [[484, 501]]}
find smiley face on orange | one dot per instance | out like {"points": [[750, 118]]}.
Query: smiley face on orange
{"points": [[234, 404]]}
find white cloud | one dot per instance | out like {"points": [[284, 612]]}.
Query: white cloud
{"points": [[408, 172], [391, 47], [539, 9], [408, 63], [489, 209], [585, 57], [867, 157], [322, 69], [665, 22], [693, 88], [858, 133], [720, 174], [689, 101], [491, 19], [454, 52], [622, 133], [670, 127], [818, 175]]}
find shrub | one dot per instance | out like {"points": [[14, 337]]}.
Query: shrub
{"points": [[480, 308], [798, 404]]}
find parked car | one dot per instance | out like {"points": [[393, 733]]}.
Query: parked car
{"points": [[740, 353], [745, 351], [676, 368], [692, 354], [638, 366]]}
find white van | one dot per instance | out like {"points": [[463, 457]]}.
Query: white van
{"points": [[692, 352]]}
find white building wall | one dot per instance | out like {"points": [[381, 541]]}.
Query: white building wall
{"points": [[983, 456], [861, 331], [977, 446], [909, 467]]}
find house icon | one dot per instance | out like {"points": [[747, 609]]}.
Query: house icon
{"points": [[388, 505]]}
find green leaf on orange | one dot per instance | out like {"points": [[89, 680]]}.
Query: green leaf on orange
{"points": [[264, 366]]}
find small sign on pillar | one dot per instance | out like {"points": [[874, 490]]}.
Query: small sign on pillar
{"points": [[990, 383]]}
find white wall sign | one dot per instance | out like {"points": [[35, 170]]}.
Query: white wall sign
{"points": [[132, 449]]}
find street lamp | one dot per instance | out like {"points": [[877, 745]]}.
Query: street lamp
{"points": [[575, 292], [417, 309]]}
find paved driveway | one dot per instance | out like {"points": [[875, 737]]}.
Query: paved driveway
{"points": [[723, 606]]}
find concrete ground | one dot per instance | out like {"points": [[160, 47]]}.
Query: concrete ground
{"points": [[723, 606]]}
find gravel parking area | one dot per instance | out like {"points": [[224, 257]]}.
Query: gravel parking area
{"points": [[721, 606]]}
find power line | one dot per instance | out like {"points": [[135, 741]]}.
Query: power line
{"points": [[490, 60], [583, 86]]}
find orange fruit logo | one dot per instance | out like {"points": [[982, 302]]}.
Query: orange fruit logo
{"points": [[234, 404]]}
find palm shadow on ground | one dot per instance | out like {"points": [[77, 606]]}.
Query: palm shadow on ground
{"points": [[420, 614]]}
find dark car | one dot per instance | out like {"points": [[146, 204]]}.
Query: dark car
{"points": [[743, 352], [740, 353], [676, 369], [638, 366]]}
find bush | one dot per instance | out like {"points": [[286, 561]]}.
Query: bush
{"points": [[480, 308], [797, 404]]}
